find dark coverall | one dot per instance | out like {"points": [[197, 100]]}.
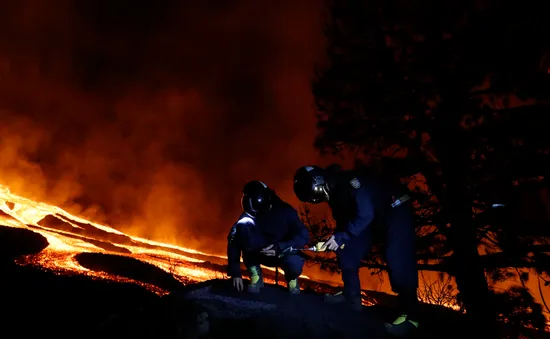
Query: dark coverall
{"points": [[362, 207], [280, 226]]}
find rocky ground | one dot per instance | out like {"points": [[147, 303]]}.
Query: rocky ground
{"points": [[38, 302], [286, 316]]}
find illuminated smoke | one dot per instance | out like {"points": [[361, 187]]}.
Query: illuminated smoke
{"points": [[152, 117]]}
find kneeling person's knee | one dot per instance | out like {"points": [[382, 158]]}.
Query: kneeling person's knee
{"points": [[293, 266]]}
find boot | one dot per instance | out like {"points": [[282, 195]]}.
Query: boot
{"points": [[337, 298], [402, 327], [293, 287], [256, 279], [354, 302]]}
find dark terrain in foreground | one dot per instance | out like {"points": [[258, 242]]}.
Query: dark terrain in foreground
{"points": [[41, 303]]}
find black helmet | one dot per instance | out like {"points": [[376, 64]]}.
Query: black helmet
{"points": [[257, 197], [309, 184]]}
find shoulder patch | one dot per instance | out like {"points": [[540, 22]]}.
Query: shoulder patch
{"points": [[355, 183]]}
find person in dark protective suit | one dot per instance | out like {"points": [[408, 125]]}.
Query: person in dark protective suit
{"points": [[362, 204], [266, 229]]}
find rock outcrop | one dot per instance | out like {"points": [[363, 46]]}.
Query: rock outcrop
{"points": [[15, 242], [274, 313]]}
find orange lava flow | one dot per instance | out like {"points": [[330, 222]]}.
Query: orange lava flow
{"points": [[59, 255]]}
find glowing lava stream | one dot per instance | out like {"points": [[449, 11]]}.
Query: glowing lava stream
{"points": [[63, 245], [30, 212]]}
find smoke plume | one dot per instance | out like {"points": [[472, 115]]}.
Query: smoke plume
{"points": [[150, 116]]}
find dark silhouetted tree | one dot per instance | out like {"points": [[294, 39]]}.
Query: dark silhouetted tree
{"points": [[457, 92]]}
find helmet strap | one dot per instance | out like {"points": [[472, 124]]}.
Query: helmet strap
{"points": [[250, 206], [326, 190]]}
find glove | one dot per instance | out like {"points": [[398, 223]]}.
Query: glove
{"points": [[319, 247]]}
